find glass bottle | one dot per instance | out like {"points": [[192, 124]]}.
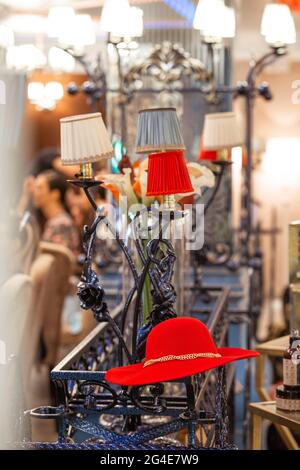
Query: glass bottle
{"points": [[291, 362]]}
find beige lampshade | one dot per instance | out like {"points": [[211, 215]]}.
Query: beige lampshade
{"points": [[158, 130], [221, 130], [84, 139]]}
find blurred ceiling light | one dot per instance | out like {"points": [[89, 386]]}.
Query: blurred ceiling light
{"points": [[45, 96], [25, 57], [215, 20], [26, 24], [113, 14], [132, 26], [54, 91], [46, 104], [60, 61], [59, 18], [79, 32], [281, 158], [134, 23], [204, 7], [278, 25], [7, 37], [128, 23], [229, 23], [25, 5], [35, 91]]}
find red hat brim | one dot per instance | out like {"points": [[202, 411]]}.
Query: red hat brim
{"points": [[136, 374]]}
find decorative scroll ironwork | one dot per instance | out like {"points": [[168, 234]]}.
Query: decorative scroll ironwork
{"points": [[169, 64], [81, 390], [83, 395]]}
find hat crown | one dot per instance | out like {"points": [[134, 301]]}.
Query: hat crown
{"points": [[178, 336]]}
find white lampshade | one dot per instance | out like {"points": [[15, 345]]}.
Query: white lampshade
{"points": [[59, 19], [158, 130], [227, 27], [278, 25], [84, 139], [79, 32], [134, 25], [204, 11], [214, 20], [59, 60], [7, 37], [113, 14], [221, 130], [25, 57]]}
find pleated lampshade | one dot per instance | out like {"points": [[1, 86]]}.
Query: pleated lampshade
{"points": [[168, 174], [221, 130], [158, 130], [84, 139], [209, 155]]}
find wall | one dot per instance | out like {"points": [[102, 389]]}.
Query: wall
{"points": [[277, 179], [41, 128]]}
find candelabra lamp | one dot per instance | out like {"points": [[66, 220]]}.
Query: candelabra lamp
{"points": [[158, 131], [84, 140], [221, 133], [84, 395], [167, 176], [159, 135]]}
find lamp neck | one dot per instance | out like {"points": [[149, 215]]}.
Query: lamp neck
{"points": [[86, 171], [169, 201], [223, 154]]}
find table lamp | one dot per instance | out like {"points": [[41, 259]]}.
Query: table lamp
{"points": [[84, 140], [159, 135], [221, 132], [168, 175]]}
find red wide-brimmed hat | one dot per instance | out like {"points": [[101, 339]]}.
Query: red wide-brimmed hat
{"points": [[176, 348]]}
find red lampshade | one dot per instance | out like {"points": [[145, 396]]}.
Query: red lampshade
{"points": [[210, 155], [168, 174]]}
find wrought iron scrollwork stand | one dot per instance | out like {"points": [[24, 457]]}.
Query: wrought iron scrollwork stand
{"points": [[156, 264]]}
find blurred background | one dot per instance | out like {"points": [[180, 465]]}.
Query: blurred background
{"points": [[59, 58]]}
